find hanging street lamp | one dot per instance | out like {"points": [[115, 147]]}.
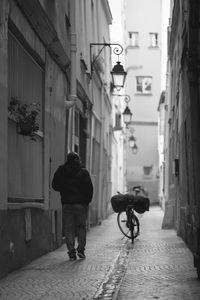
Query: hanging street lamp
{"points": [[132, 141], [118, 74], [127, 114], [135, 149]]}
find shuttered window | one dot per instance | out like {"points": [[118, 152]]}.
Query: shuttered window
{"points": [[25, 75], [25, 157]]}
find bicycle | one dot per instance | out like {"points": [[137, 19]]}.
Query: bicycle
{"points": [[128, 223]]}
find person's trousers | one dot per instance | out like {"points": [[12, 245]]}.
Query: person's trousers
{"points": [[75, 217]]}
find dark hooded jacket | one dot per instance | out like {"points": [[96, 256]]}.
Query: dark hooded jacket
{"points": [[74, 184]]}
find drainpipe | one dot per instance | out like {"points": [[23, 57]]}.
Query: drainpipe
{"points": [[100, 196], [71, 99]]}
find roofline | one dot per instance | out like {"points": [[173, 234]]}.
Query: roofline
{"points": [[107, 11]]}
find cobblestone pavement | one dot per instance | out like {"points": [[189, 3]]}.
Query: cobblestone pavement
{"points": [[157, 266], [54, 277]]}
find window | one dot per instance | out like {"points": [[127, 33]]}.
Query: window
{"points": [[143, 85], [25, 159], [147, 172], [133, 39], [153, 39], [118, 120], [76, 129], [26, 76]]}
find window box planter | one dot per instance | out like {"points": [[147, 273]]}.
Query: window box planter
{"points": [[26, 117]]}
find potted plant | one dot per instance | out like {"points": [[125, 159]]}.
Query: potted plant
{"points": [[26, 116]]}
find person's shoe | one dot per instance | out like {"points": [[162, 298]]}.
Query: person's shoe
{"points": [[81, 255], [71, 258]]}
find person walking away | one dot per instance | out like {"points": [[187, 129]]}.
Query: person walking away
{"points": [[76, 190]]}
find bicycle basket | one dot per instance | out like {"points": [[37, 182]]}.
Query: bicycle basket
{"points": [[141, 204], [120, 202]]}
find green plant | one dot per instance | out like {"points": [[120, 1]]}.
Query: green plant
{"points": [[26, 116]]}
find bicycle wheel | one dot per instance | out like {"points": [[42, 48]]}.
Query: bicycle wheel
{"points": [[131, 227], [134, 226], [124, 225]]}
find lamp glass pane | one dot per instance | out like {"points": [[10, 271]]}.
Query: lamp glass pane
{"points": [[118, 80], [127, 118], [131, 143]]}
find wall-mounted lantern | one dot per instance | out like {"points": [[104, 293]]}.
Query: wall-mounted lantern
{"points": [[132, 144], [127, 114], [118, 74], [135, 149], [132, 141]]}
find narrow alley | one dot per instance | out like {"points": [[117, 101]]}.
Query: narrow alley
{"points": [[157, 266]]}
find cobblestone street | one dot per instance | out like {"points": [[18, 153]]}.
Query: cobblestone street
{"points": [[157, 266]]}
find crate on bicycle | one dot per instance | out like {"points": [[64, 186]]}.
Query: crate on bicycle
{"points": [[121, 201]]}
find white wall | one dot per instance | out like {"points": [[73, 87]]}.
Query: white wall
{"points": [[116, 36], [143, 17]]}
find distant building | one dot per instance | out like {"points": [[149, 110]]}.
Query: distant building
{"points": [[142, 30], [161, 139], [116, 36]]}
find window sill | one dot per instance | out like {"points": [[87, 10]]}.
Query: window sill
{"points": [[38, 133], [154, 47], [144, 94], [25, 205], [132, 47]]}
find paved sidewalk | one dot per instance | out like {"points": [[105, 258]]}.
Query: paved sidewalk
{"points": [[54, 277], [159, 265]]}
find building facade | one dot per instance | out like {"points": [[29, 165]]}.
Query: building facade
{"points": [[116, 36], [142, 31], [161, 138], [182, 141], [46, 58]]}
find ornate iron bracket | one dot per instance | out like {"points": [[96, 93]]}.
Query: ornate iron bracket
{"points": [[117, 51]]}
